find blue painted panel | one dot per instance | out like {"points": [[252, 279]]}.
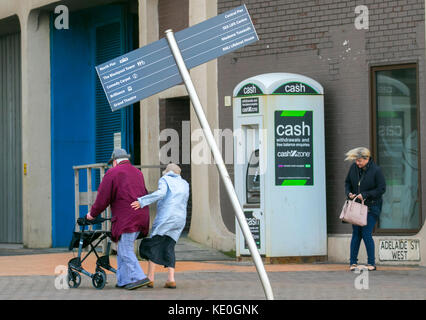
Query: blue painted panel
{"points": [[73, 113], [72, 119]]}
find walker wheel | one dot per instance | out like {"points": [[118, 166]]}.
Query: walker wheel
{"points": [[74, 279], [99, 280], [99, 269]]}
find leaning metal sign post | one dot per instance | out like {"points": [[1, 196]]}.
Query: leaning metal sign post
{"points": [[158, 66], [220, 164]]}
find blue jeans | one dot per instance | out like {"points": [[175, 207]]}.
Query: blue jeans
{"points": [[365, 233], [128, 267]]}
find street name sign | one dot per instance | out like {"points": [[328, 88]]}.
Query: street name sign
{"points": [[399, 250], [152, 68]]}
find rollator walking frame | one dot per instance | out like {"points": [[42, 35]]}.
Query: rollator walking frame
{"points": [[81, 239]]}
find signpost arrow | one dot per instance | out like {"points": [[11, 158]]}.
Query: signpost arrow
{"points": [[158, 66]]}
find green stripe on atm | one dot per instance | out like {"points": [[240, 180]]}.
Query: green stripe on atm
{"points": [[294, 182], [293, 113]]}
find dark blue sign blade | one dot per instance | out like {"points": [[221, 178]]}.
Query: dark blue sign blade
{"points": [[151, 69], [138, 74]]}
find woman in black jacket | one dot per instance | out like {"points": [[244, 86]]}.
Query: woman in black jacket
{"points": [[365, 181]]}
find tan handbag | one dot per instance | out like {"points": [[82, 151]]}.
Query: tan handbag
{"points": [[354, 212]]}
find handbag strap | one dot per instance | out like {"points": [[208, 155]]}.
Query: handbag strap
{"points": [[362, 201]]}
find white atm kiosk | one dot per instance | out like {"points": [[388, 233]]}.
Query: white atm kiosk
{"points": [[279, 164]]}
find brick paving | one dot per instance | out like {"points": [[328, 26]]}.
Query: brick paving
{"points": [[205, 274]]}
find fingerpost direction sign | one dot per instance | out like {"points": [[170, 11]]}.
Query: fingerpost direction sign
{"points": [[152, 68]]}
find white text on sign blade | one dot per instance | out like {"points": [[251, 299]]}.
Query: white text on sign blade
{"points": [[232, 35], [244, 30], [111, 64], [117, 93], [232, 24], [234, 13], [117, 83], [229, 37]]}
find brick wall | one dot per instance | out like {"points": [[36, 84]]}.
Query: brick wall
{"points": [[289, 26], [172, 14], [318, 39]]}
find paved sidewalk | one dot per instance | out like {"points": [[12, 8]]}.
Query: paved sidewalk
{"points": [[203, 273], [186, 249]]}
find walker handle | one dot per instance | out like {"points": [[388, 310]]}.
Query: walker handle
{"points": [[84, 222]]}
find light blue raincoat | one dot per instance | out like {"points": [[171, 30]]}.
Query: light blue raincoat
{"points": [[172, 196]]}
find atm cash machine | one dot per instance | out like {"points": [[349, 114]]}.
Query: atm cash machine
{"points": [[279, 164]]}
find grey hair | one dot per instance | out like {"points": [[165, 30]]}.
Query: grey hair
{"points": [[172, 167], [357, 153]]}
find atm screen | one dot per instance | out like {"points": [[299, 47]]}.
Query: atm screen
{"points": [[253, 178]]}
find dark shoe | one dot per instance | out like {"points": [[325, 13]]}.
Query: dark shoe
{"points": [[137, 284], [170, 285], [120, 287]]}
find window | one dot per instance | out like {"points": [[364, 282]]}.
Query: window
{"points": [[395, 119]]}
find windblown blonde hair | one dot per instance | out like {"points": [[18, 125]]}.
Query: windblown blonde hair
{"points": [[357, 153]]}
